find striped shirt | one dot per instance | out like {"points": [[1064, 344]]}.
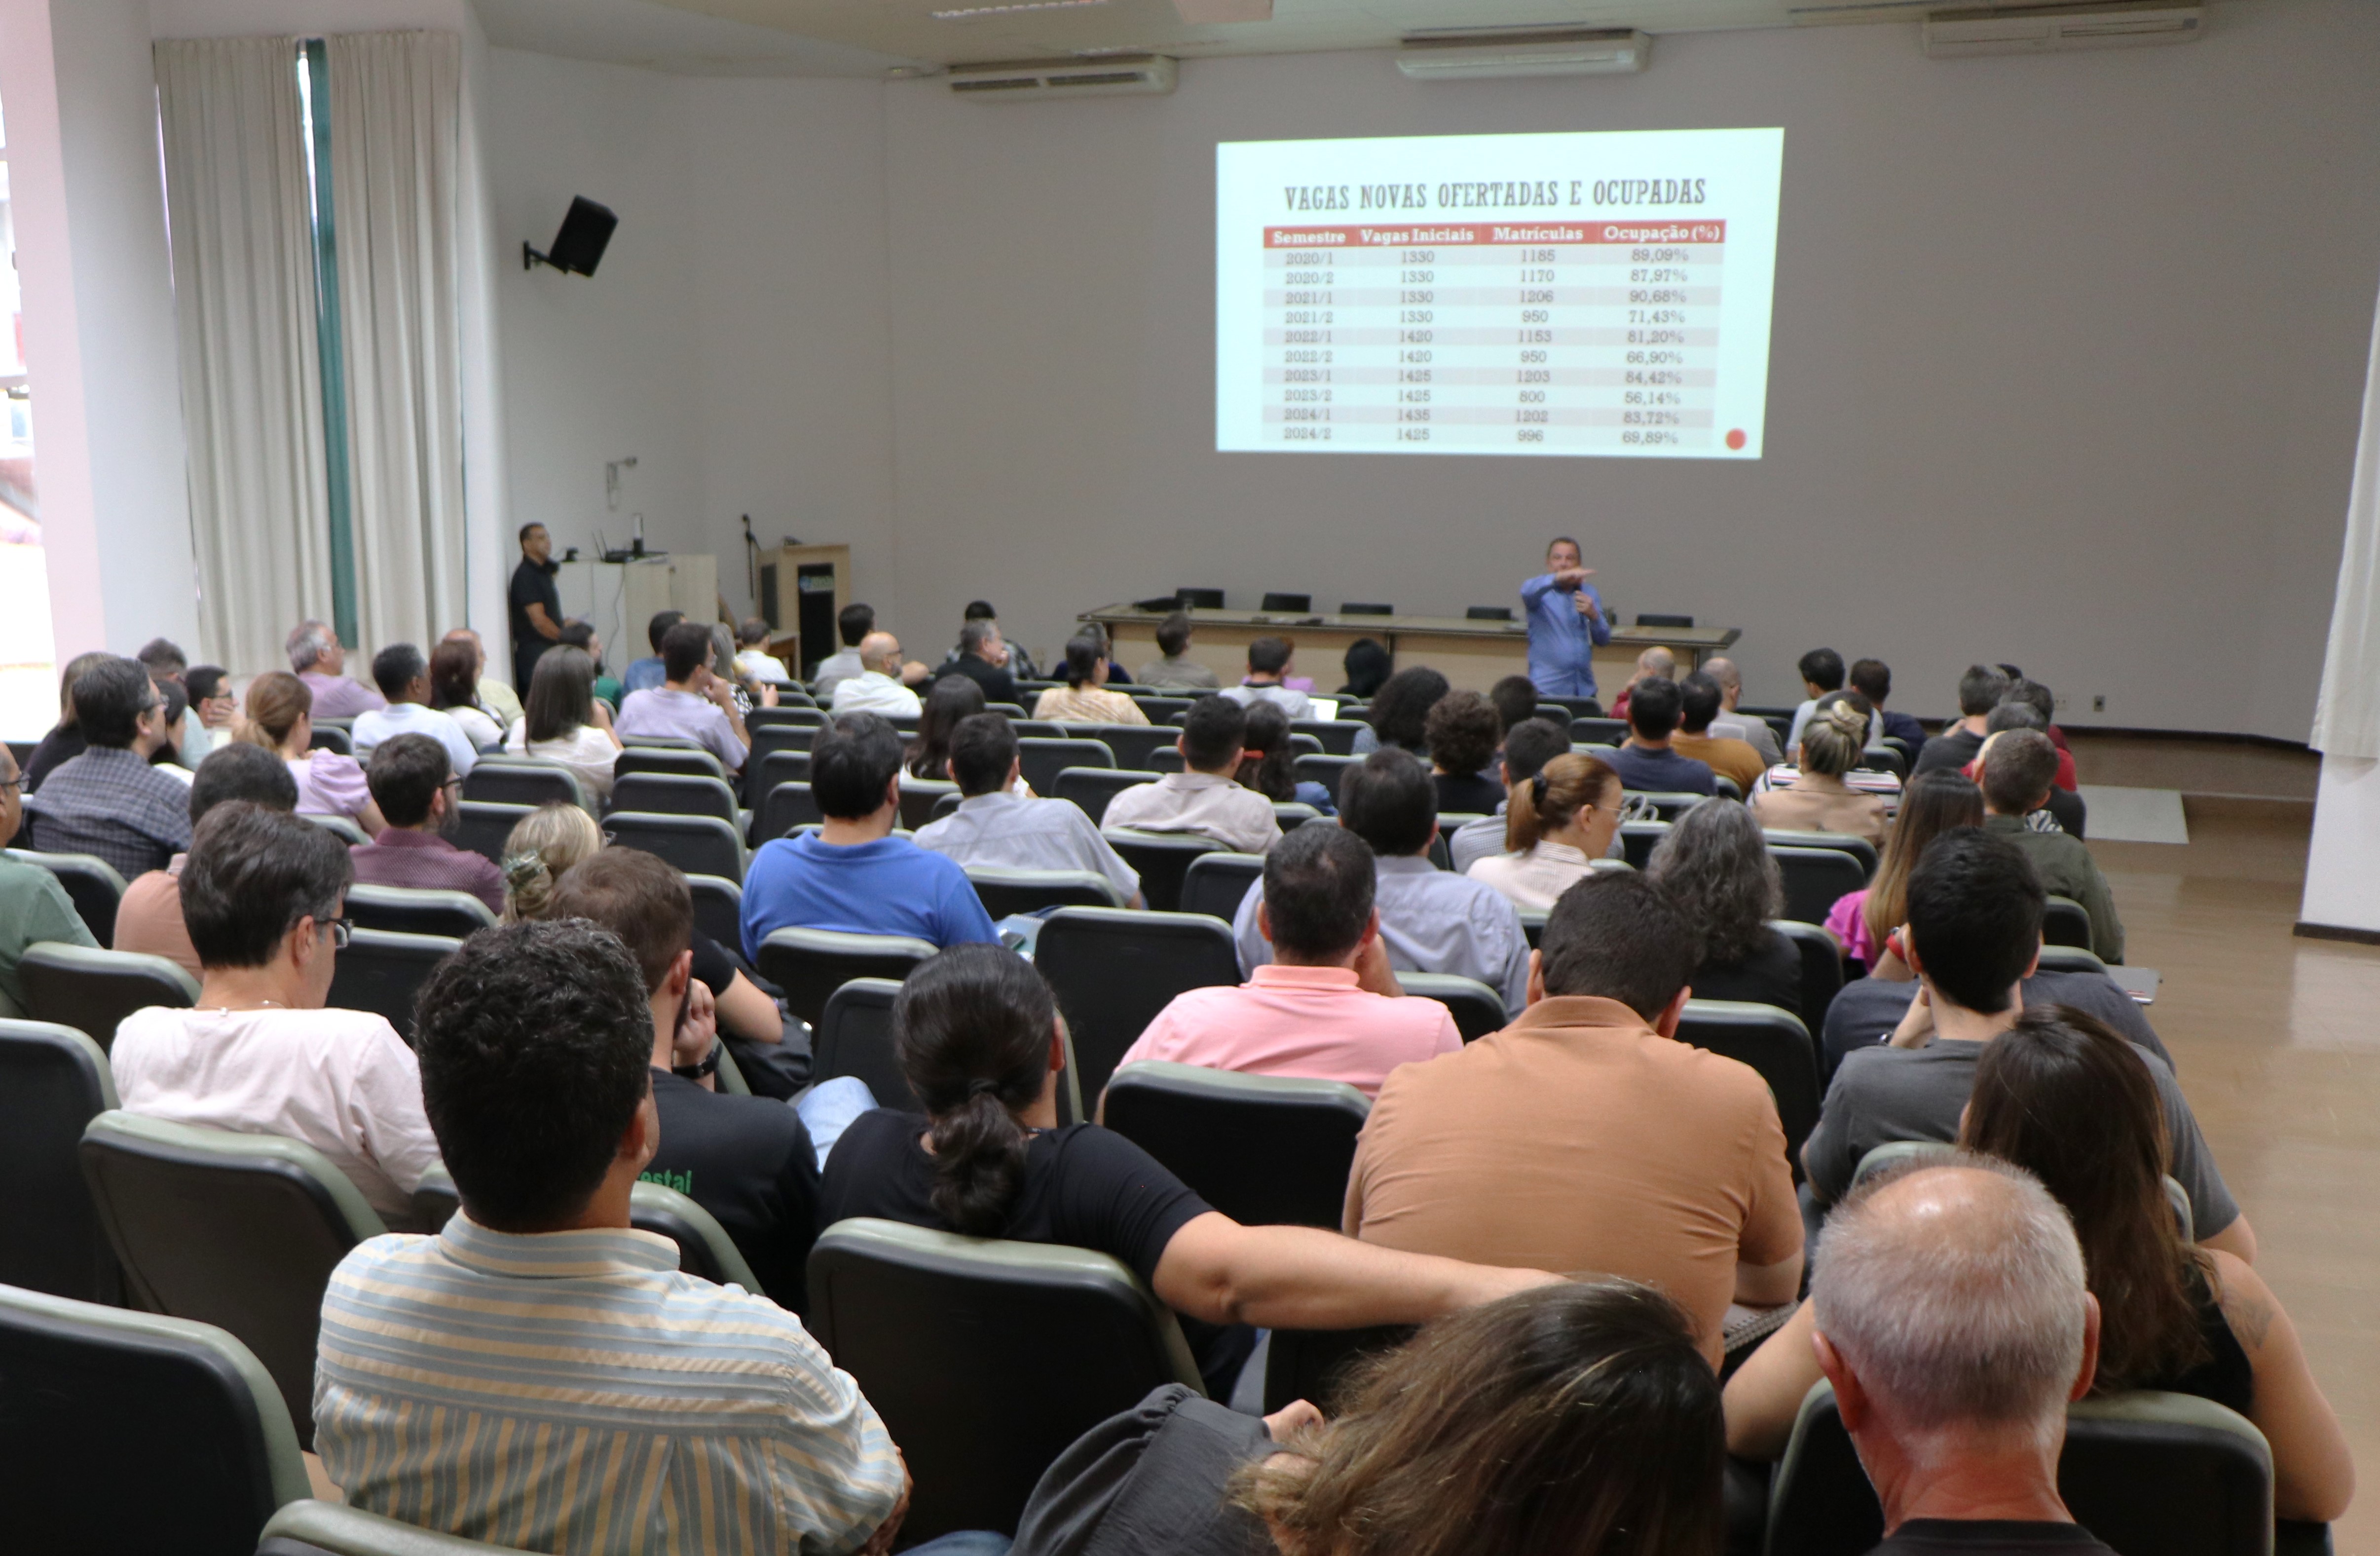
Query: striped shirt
{"points": [[572, 1392]]}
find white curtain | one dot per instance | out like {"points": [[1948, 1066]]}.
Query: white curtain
{"points": [[252, 377], [395, 117], [2347, 715]]}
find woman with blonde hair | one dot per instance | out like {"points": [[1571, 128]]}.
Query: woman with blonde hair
{"points": [[281, 719], [1819, 800], [543, 847], [1556, 825]]}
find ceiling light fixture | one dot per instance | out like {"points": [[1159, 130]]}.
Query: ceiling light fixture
{"points": [[1015, 7]]}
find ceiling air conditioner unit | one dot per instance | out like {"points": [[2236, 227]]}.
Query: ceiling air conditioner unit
{"points": [[2055, 29], [1457, 56], [1122, 75]]}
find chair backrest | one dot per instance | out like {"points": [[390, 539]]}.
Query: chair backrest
{"points": [[1553, 713], [2072, 959], [986, 1358], [1777, 1046], [1288, 813], [703, 1247], [689, 760], [239, 1231], [1161, 859], [482, 826], [763, 774], [1336, 737], [1638, 839], [1092, 787], [1030, 890], [944, 805], [1266, 1150], [92, 1391], [1165, 759], [1885, 759], [1114, 968], [522, 781], [312, 1529], [1477, 1009], [53, 1080], [1597, 731], [696, 844], [331, 737], [1129, 744], [803, 713], [854, 1036], [1362, 608], [2149, 1474], [1488, 612], [811, 964], [1323, 768], [1859, 849], [787, 806], [718, 908], [411, 910], [1311, 1363], [1043, 759], [918, 797], [675, 793], [2065, 921], [382, 970], [1047, 729], [91, 991], [343, 828], [1822, 968], [1665, 804], [1159, 707], [1815, 878], [91, 885], [1215, 884]]}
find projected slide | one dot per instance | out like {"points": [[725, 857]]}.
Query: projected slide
{"points": [[1568, 293]]}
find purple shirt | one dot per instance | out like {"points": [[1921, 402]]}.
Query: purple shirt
{"points": [[664, 711], [335, 697], [427, 862]]}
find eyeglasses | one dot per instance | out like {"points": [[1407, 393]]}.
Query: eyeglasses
{"points": [[16, 783], [342, 930]]}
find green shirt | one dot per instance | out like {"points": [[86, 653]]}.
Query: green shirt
{"points": [[2066, 870], [608, 688], [34, 906]]}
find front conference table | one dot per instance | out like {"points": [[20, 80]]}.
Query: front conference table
{"points": [[1471, 654]]}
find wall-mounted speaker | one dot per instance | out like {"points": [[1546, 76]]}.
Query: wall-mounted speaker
{"points": [[578, 247]]}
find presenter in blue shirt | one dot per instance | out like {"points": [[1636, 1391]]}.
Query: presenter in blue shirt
{"points": [[1566, 624]]}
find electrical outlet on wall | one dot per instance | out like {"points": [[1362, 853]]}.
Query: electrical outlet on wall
{"points": [[2099, 702]]}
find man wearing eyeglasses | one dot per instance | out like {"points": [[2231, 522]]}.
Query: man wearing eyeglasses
{"points": [[33, 905], [263, 895], [421, 800], [109, 801]]}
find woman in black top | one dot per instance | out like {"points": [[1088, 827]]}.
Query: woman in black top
{"points": [[1716, 864], [951, 699]]}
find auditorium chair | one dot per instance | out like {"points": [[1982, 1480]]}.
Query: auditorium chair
{"points": [[1161, 859], [778, 767], [1165, 759], [1822, 967], [1859, 849], [788, 804], [1312, 1364], [1323, 769], [1775, 1045], [1158, 707], [2065, 921], [482, 827], [1638, 839], [1011, 711], [1043, 759], [1553, 713], [2149, 1474], [343, 828], [1332, 738], [1362, 608], [696, 844], [412, 910], [804, 714], [1046, 729], [1668, 805], [947, 805], [703, 1247], [331, 737], [719, 909], [811, 964], [383, 971], [1580, 707], [1198, 599], [1725, 787], [1288, 813], [854, 1036], [913, 1314], [677, 794], [1092, 787], [524, 781], [238, 1230], [53, 1080], [918, 797], [1594, 730], [1885, 759], [635, 759], [91, 885], [1266, 1150], [1215, 884], [1488, 612], [91, 991], [312, 1529], [1114, 968], [1005, 891], [1532, 924], [1296, 604], [1128, 744], [1477, 1009], [129, 1433], [1815, 878]]}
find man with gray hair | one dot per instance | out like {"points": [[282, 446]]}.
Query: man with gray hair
{"points": [[1732, 725], [317, 660], [1953, 1321], [983, 659]]}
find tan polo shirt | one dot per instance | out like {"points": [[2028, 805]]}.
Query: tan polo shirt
{"points": [[1726, 757], [1580, 1140]]}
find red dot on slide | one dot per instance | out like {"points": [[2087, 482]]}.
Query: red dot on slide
{"points": [[1735, 438]]}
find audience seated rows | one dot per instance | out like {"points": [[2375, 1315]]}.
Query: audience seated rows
{"points": [[1729, 757], [996, 825], [1206, 797], [149, 917], [1463, 731], [1716, 868], [1268, 761], [1558, 821]]}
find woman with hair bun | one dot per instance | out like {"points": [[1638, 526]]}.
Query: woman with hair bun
{"points": [[1832, 743], [1556, 825]]}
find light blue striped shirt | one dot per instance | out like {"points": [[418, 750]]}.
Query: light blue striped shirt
{"points": [[572, 1392]]}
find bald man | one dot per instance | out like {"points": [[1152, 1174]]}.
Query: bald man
{"points": [[877, 688], [1731, 726]]}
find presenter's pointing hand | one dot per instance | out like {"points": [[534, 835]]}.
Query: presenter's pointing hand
{"points": [[1570, 578]]}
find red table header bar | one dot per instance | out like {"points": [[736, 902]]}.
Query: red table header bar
{"points": [[1460, 233]]}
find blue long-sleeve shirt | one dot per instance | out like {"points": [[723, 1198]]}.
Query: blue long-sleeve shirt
{"points": [[1562, 642]]}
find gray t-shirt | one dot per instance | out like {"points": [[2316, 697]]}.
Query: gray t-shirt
{"points": [[1868, 1009]]}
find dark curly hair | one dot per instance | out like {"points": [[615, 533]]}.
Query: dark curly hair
{"points": [[1400, 711]]}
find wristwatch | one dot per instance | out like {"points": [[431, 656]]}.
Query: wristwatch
{"points": [[709, 1064]]}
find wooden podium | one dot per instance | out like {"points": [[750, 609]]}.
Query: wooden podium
{"points": [[803, 589]]}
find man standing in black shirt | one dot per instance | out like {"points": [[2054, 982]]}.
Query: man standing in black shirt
{"points": [[536, 603]]}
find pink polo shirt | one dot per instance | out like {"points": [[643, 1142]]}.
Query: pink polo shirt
{"points": [[1310, 1021]]}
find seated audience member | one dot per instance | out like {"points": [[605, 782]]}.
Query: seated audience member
{"points": [[1116, 672], [33, 902], [1205, 797], [1862, 921], [1516, 700], [692, 703], [947, 701], [537, 1045], [982, 658], [163, 657], [2064, 810], [2016, 783], [404, 678], [1819, 800], [1558, 821], [454, 691], [417, 793], [1326, 1006], [1268, 762], [1528, 746], [996, 825], [1398, 713], [149, 919], [753, 660], [1822, 672], [853, 874], [65, 739], [173, 710], [852, 625], [644, 674], [262, 898], [2041, 699], [1973, 932], [1698, 703], [1646, 761], [879, 687], [1732, 725], [317, 659], [1568, 1419], [1464, 732], [1176, 668], [493, 693], [1269, 660], [2016, 714], [1015, 658], [280, 720], [746, 1159], [1433, 920], [215, 712], [579, 635], [978, 1036], [1717, 869], [1082, 698], [565, 723], [1585, 1136], [109, 801], [1872, 678], [1366, 664], [1655, 663], [1980, 690]]}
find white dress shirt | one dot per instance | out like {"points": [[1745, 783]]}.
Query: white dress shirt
{"points": [[1431, 921], [411, 718], [872, 691], [1204, 803], [1014, 833]]}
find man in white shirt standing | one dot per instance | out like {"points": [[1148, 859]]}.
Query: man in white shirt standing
{"points": [[403, 677], [877, 688], [691, 703], [1268, 663], [998, 827], [1208, 798]]}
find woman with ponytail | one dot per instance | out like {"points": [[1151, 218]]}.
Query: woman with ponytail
{"points": [[281, 719], [1556, 825], [976, 1032]]}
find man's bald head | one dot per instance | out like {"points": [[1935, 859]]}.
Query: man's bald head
{"points": [[1657, 661], [880, 652], [1722, 670]]}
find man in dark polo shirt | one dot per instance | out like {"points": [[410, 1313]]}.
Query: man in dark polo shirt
{"points": [[746, 1159], [983, 659], [536, 603]]}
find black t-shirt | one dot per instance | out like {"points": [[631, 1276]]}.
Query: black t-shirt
{"points": [[1868, 1009], [1770, 975], [533, 585], [1474, 793], [1984, 1536], [751, 1164]]}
